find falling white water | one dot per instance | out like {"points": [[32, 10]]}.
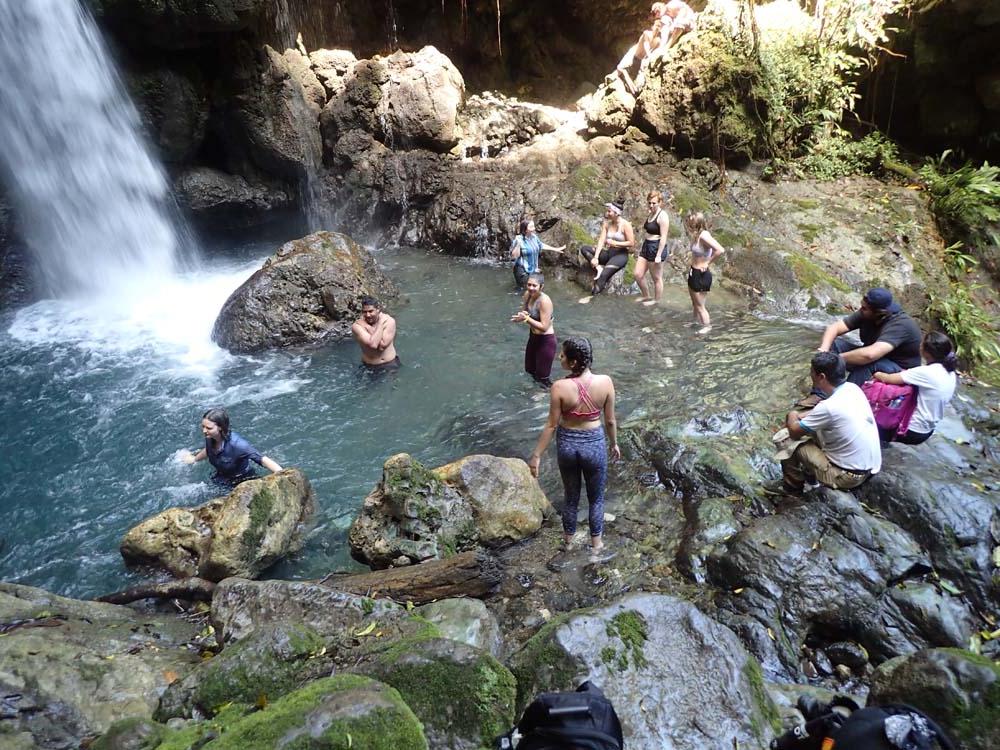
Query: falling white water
{"points": [[93, 203]]}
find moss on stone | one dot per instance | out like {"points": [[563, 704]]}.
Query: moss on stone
{"points": [[543, 652], [586, 180], [763, 707], [976, 722], [688, 201], [203, 733], [806, 204], [810, 275], [423, 630], [578, 234], [630, 628], [809, 231], [261, 507], [383, 727], [130, 731]]}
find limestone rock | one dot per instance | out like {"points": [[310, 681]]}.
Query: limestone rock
{"points": [[241, 534], [609, 109], [331, 67], [420, 105], [959, 690], [463, 696], [491, 123], [307, 292], [213, 196], [677, 678], [417, 515], [467, 621], [75, 667], [276, 114]]}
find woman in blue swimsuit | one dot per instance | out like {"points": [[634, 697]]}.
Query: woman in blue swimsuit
{"points": [[228, 452]]}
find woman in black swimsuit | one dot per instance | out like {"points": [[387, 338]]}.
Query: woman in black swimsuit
{"points": [[653, 250]]}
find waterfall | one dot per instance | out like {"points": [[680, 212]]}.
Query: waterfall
{"points": [[93, 204]]}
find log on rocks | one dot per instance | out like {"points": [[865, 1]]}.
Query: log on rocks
{"points": [[193, 588], [471, 574]]}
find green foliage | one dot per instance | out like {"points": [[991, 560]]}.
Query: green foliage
{"points": [[966, 200], [838, 155], [630, 628], [969, 326]]}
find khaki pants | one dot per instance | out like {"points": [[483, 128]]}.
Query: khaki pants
{"points": [[810, 459]]}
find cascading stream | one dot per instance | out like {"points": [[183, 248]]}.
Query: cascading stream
{"points": [[94, 205]]}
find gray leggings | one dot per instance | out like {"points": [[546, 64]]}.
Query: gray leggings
{"points": [[583, 454]]}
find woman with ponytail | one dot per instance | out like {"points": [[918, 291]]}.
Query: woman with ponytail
{"points": [[935, 383], [576, 405]]}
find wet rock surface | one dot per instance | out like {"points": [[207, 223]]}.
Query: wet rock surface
{"points": [[241, 534], [416, 514], [307, 292], [215, 196]]}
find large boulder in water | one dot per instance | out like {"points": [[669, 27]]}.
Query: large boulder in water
{"points": [[309, 291], [958, 689], [241, 534], [416, 514], [69, 669], [676, 678]]}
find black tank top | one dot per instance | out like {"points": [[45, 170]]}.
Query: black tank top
{"points": [[652, 226]]}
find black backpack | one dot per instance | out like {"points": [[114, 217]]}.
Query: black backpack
{"points": [[841, 725], [580, 720]]}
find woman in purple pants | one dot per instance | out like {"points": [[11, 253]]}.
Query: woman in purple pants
{"points": [[536, 313]]}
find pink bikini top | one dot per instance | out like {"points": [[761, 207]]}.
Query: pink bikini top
{"points": [[584, 400]]}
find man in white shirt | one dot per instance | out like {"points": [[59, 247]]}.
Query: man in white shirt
{"points": [[845, 448]]}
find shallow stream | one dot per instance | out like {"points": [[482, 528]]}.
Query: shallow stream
{"points": [[99, 398]]}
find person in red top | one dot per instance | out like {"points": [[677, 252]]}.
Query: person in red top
{"points": [[576, 405]]}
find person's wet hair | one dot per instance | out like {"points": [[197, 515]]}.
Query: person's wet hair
{"points": [[220, 418], [536, 276], [939, 347], [654, 194], [831, 365], [368, 301], [696, 222], [522, 228], [579, 352]]}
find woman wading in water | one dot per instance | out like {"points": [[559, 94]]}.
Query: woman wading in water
{"points": [[576, 404], [228, 452], [537, 315], [653, 250], [704, 250], [525, 250]]}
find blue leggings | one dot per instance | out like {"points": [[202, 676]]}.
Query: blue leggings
{"points": [[583, 453]]}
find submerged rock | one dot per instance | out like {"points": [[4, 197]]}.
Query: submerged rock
{"points": [[241, 534], [416, 514], [958, 689], [677, 678], [70, 668], [307, 292]]}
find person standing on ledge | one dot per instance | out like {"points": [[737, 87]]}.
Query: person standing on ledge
{"points": [[228, 452], [890, 339], [375, 332], [537, 315]]}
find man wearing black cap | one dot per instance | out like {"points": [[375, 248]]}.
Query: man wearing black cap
{"points": [[890, 339]]}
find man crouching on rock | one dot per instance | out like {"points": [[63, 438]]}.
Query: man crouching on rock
{"points": [[375, 331], [846, 448]]}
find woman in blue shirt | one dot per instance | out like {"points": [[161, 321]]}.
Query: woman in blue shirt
{"points": [[524, 251], [228, 452]]}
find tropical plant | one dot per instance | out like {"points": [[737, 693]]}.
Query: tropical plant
{"points": [[966, 200]]}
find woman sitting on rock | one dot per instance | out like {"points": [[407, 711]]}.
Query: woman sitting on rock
{"points": [[704, 250], [614, 243], [935, 383], [525, 251], [576, 404], [228, 452]]}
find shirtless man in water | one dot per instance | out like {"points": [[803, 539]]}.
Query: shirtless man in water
{"points": [[375, 331]]}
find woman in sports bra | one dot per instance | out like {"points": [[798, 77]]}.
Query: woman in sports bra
{"points": [[705, 249], [653, 250], [537, 315], [614, 243], [576, 404]]}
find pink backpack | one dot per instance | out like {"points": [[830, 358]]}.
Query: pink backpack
{"points": [[892, 405]]}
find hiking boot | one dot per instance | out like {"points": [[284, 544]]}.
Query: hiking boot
{"points": [[778, 488]]}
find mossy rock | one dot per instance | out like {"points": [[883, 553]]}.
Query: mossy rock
{"points": [[270, 663], [334, 713], [130, 734], [463, 696]]}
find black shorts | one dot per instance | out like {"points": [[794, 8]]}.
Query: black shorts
{"points": [[699, 281], [649, 248]]}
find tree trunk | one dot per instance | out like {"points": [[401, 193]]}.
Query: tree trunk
{"points": [[185, 588], [472, 574]]}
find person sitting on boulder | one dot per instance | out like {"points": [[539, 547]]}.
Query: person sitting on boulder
{"points": [[935, 383], [681, 18], [650, 40], [846, 450], [890, 339], [228, 452], [375, 332], [614, 244]]}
